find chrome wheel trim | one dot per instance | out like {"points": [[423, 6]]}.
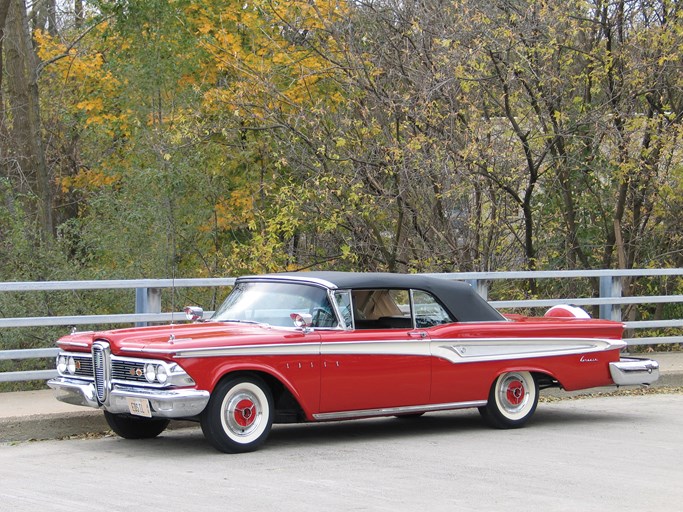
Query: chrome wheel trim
{"points": [[515, 394], [244, 413]]}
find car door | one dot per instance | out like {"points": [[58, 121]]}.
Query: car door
{"points": [[383, 362]]}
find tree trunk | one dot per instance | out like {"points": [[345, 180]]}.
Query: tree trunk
{"points": [[52, 17], [78, 11], [4, 137], [22, 79]]}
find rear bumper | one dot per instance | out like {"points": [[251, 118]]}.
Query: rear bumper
{"points": [[164, 403], [632, 371]]}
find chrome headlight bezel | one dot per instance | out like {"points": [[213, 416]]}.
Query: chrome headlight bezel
{"points": [[61, 364], [71, 365], [152, 373], [160, 373]]}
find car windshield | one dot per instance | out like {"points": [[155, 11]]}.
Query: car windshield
{"points": [[273, 303]]}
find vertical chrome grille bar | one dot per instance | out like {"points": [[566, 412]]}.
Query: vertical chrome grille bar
{"points": [[101, 358]]}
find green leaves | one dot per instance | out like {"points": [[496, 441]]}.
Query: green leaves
{"points": [[212, 138]]}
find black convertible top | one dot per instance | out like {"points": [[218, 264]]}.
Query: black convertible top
{"points": [[464, 304]]}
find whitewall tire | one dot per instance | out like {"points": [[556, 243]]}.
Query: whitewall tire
{"points": [[512, 400], [239, 415]]}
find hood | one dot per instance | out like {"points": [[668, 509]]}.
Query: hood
{"points": [[167, 338]]}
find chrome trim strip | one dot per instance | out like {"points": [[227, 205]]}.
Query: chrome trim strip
{"points": [[457, 350], [341, 323], [495, 349], [141, 360], [370, 347], [72, 343], [308, 348], [396, 411], [295, 279], [632, 371], [413, 313], [74, 354]]}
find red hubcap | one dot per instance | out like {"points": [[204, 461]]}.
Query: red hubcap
{"points": [[515, 392], [245, 413]]}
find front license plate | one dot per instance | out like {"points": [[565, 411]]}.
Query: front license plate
{"points": [[139, 407]]}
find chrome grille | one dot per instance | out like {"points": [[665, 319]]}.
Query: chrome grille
{"points": [[84, 367], [100, 362], [128, 370]]}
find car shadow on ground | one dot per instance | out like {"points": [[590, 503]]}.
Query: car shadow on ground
{"points": [[390, 429], [376, 428], [434, 424], [330, 434]]}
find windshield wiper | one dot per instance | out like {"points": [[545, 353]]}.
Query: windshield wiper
{"points": [[235, 320]]}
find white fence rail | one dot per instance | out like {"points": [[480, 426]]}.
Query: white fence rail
{"points": [[148, 308]]}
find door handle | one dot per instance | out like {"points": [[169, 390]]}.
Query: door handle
{"points": [[417, 334]]}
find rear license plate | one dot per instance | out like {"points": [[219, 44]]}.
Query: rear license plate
{"points": [[139, 407]]}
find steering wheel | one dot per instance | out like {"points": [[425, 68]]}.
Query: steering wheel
{"points": [[322, 317]]}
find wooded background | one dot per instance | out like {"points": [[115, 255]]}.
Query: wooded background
{"points": [[202, 138], [150, 138]]}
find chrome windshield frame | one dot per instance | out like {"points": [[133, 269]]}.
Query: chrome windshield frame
{"points": [[328, 288]]}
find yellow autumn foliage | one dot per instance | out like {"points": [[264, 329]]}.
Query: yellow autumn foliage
{"points": [[259, 46], [87, 179], [84, 73], [236, 211]]}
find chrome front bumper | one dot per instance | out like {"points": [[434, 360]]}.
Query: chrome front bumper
{"points": [[164, 403], [632, 371]]}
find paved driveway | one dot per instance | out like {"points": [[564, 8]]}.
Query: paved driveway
{"points": [[612, 453]]}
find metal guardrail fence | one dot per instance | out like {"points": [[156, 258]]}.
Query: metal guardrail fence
{"points": [[148, 307]]}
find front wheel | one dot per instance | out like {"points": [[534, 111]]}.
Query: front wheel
{"points": [[239, 415], [132, 427], [512, 400]]}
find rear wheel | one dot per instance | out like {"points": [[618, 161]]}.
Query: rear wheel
{"points": [[239, 415], [132, 427], [512, 400]]}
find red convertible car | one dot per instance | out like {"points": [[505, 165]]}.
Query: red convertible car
{"points": [[321, 346]]}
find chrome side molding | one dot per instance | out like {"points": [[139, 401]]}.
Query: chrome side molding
{"points": [[396, 411]]}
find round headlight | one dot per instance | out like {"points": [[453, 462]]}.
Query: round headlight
{"points": [[150, 373], [162, 374], [71, 366], [61, 364]]}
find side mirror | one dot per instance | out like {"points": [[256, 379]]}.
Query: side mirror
{"points": [[302, 320], [193, 313]]}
